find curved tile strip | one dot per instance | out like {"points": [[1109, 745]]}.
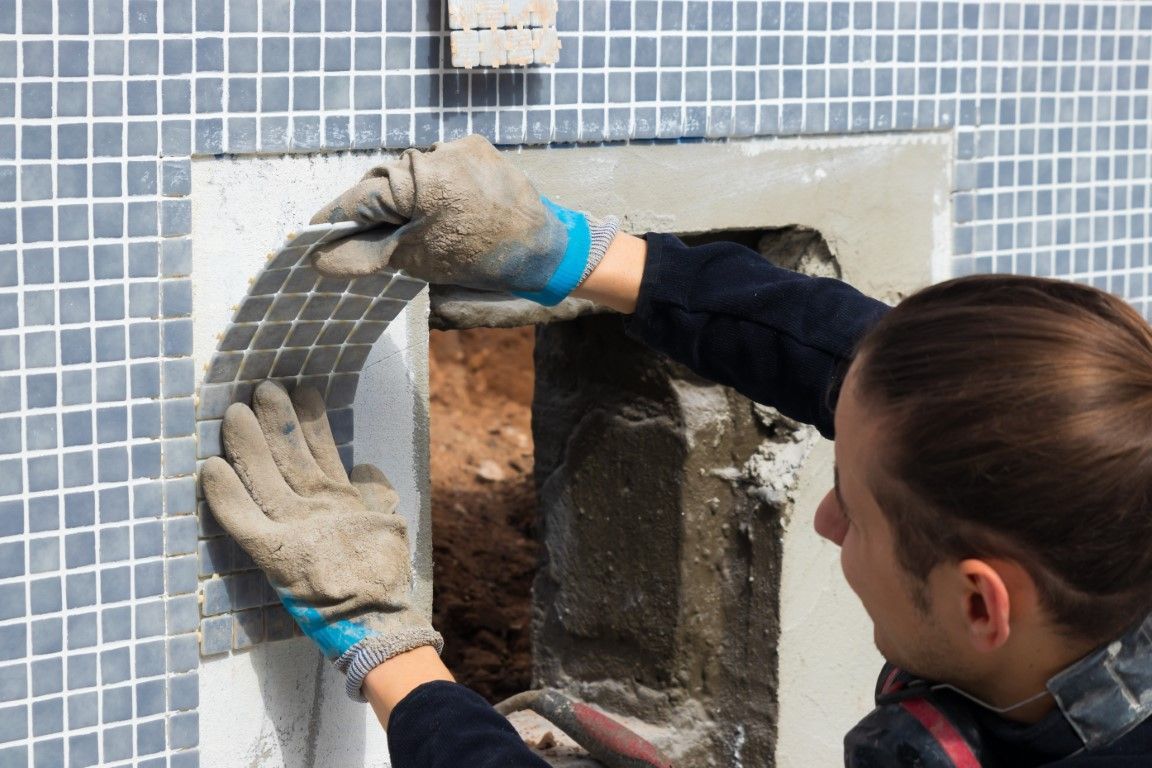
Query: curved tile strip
{"points": [[300, 327]]}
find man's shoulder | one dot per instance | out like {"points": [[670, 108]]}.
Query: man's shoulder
{"points": [[912, 727]]}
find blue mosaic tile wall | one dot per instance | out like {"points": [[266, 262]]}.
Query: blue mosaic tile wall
{"points": [[104, 102]]}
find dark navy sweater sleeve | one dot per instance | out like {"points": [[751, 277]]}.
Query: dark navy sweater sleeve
{"points": [[445, 725], [778, 337]]}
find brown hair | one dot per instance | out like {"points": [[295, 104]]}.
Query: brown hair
{"points": [[1021, 419]]}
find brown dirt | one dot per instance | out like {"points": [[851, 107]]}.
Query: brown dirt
{"points": [[483, 505]]}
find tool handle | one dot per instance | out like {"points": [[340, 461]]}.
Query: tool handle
{"points": [[610, 742], [614, 741]]}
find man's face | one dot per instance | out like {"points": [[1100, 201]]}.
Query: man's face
{"points": [[907, 634]]}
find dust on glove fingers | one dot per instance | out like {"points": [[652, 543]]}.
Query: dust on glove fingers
{"points": [[462, 214], [333, 548]]}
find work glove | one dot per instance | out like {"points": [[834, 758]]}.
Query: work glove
{"points": [[460, 213], [335, 551]]}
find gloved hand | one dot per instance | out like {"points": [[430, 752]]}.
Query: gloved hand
{"points": [[334, 551], [462, 214]]}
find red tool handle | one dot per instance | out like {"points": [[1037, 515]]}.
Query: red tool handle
{"points": [[610, 742]]}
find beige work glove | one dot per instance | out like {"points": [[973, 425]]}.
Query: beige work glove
{"points": [[335, 551], [460, 213]]}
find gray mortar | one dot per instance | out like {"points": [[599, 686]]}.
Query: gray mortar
{"points": [[457, 308]]}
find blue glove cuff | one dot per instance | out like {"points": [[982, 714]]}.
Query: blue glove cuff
{"points": [[334, 639], [570, 271]]}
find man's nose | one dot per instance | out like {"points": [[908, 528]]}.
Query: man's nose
{"points": [[829, 521]]}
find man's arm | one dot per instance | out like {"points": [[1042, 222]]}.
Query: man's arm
{"points": [[781, 338], [434, 723]]}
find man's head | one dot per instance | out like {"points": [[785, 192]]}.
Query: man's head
{"points": [[1003, 422]]}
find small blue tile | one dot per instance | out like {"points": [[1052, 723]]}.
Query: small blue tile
{"points": [[36, 142], [80, 549], [9, 311], [13, 724], [337, 54], [176, 97], [40, 390], [112, 464], [115, 666], [37, 222], [184, 730], [146, 420], [39, 308], [8, 65], [83, 709], [116, 704], [176, 178], [43, 514], [76, 386], [108, 57], [12, 606], [150, 698], [9, 353], [109, 339], [181, 574], [183, 692], [13, 679], [41, 431], [150, 737], [44, 595], [175, 217], [79, 510], [35, 182], [149, 581], [81, 671], [11, 518], [210, 15], [148, 539], [144, 300], [143, 57], [145, 380], [116, 624], [176, 137], [183, 654], [209, 136], [209, 58], [13, 643], [216, 635], [149, 619], [43, 555], [10, 436], [305, 54], [115, 584], [47, 636], [118, 742]]}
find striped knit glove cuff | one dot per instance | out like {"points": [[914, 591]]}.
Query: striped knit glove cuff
{"points": [[373, 651]]}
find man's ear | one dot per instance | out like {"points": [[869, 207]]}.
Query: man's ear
{"points": [[995, 595]]}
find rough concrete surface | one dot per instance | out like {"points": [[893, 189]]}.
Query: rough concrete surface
{"points": [[459, 308], [662, 498], [658, 595]]}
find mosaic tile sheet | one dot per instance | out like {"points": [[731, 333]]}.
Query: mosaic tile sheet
{"points": [[303, 329], [494, 33]]}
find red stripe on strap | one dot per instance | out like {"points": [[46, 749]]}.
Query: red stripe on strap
{"points": [[943, 731]]}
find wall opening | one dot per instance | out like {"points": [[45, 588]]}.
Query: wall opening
{"points": [[484, 542]]}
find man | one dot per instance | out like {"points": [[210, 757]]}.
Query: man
{"points": [[992, 499]]}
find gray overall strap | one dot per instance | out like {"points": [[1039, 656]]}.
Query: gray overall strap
{"points": [[1109, 692]]}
